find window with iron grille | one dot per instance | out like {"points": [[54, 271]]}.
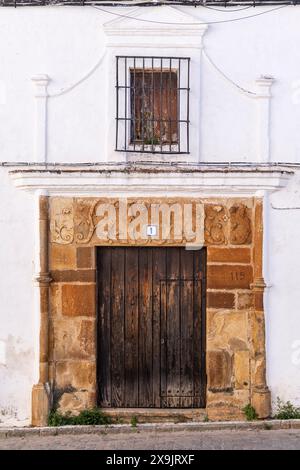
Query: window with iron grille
{"points": [[152, 104]]}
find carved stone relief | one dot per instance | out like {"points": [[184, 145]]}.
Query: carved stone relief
{"points": [[75, 220], [240, 225], [215, 224]]}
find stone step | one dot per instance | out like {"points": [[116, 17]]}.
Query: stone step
{"points": [[155, 415]]}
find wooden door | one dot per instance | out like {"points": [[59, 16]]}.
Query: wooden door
{"points": [[151, 327]]}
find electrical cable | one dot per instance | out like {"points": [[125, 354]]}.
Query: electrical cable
{"points": [[190, 24], [98, 63], [147, 3], [81, 80], [242, 89], [226, 10]]}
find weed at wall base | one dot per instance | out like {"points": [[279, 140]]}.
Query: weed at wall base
{"points": [[286, 410], [250, 412], [86, 417]]}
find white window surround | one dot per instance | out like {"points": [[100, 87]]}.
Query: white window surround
{"points": [[154, 39]]}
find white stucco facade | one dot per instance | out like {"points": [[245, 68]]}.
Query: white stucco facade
{"points": [[245, 108]]}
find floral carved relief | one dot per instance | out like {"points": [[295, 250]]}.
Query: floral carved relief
{"points": [[215, 224], [84, 226], [61, 221], [240, 225]]}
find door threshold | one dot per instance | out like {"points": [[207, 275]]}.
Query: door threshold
{"points": [[156, 415]]}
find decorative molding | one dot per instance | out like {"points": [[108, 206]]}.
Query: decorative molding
{"points": [[43, 279], [240, 225], [176, 25], [83, 220], [258, 284], [62, 223], [122, 181], [215, 224], [41, 96], [263, 96]]}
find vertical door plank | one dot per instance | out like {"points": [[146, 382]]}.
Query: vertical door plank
{"points": [[197, 362], [159, 274], [173, 327], [104, 353], [117, 326], [203, 266], [145, 327], [186, 334], [163, 342], [131, 327]]}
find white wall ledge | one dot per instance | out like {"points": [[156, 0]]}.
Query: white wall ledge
{"points": [[123, 180]]}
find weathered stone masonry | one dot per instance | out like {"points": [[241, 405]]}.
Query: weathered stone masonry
{"points": [[235, 317]]}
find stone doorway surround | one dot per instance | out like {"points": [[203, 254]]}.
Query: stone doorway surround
{"points": [[233, 229]]}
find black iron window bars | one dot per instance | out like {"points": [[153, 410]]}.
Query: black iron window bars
{"points": [[152, 104]]}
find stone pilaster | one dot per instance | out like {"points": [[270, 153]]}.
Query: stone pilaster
{"points": [[41, 391], [260, 394]]}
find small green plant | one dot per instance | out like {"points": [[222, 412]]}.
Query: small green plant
{"points": [[286, 410], [92, 417], [268, 426], [134, 421], [180, 419], [250, 412], [206, 419], [118, 420], [152, 141], [58, 419]]}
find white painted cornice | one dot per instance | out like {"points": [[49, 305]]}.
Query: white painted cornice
{"points": [[150, 180]]}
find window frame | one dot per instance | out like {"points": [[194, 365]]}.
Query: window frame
{"points": [[123, 132]]}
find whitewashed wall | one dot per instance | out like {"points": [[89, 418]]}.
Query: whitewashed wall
{"points": [[18, 330], [282, 275], [66, 43]]}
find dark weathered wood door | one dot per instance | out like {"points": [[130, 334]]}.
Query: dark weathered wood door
{"points": [[151, 327]]}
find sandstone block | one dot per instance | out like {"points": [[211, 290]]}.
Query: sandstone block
{"points": [[261, 401], [245, 300], [227, 329], [229, 276], [40, 405], [74, 338], [259, 300], [220, 300], [241, 369], [78, 375], [78, 300], [224, 406], [74, 275], [228, 255], [258, 367], [85, 257], [55, 299], [219, 370], [62, 256], [75, 402]]}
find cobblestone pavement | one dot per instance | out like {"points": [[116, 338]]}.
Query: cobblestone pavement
{"points": [[187, 440]]}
